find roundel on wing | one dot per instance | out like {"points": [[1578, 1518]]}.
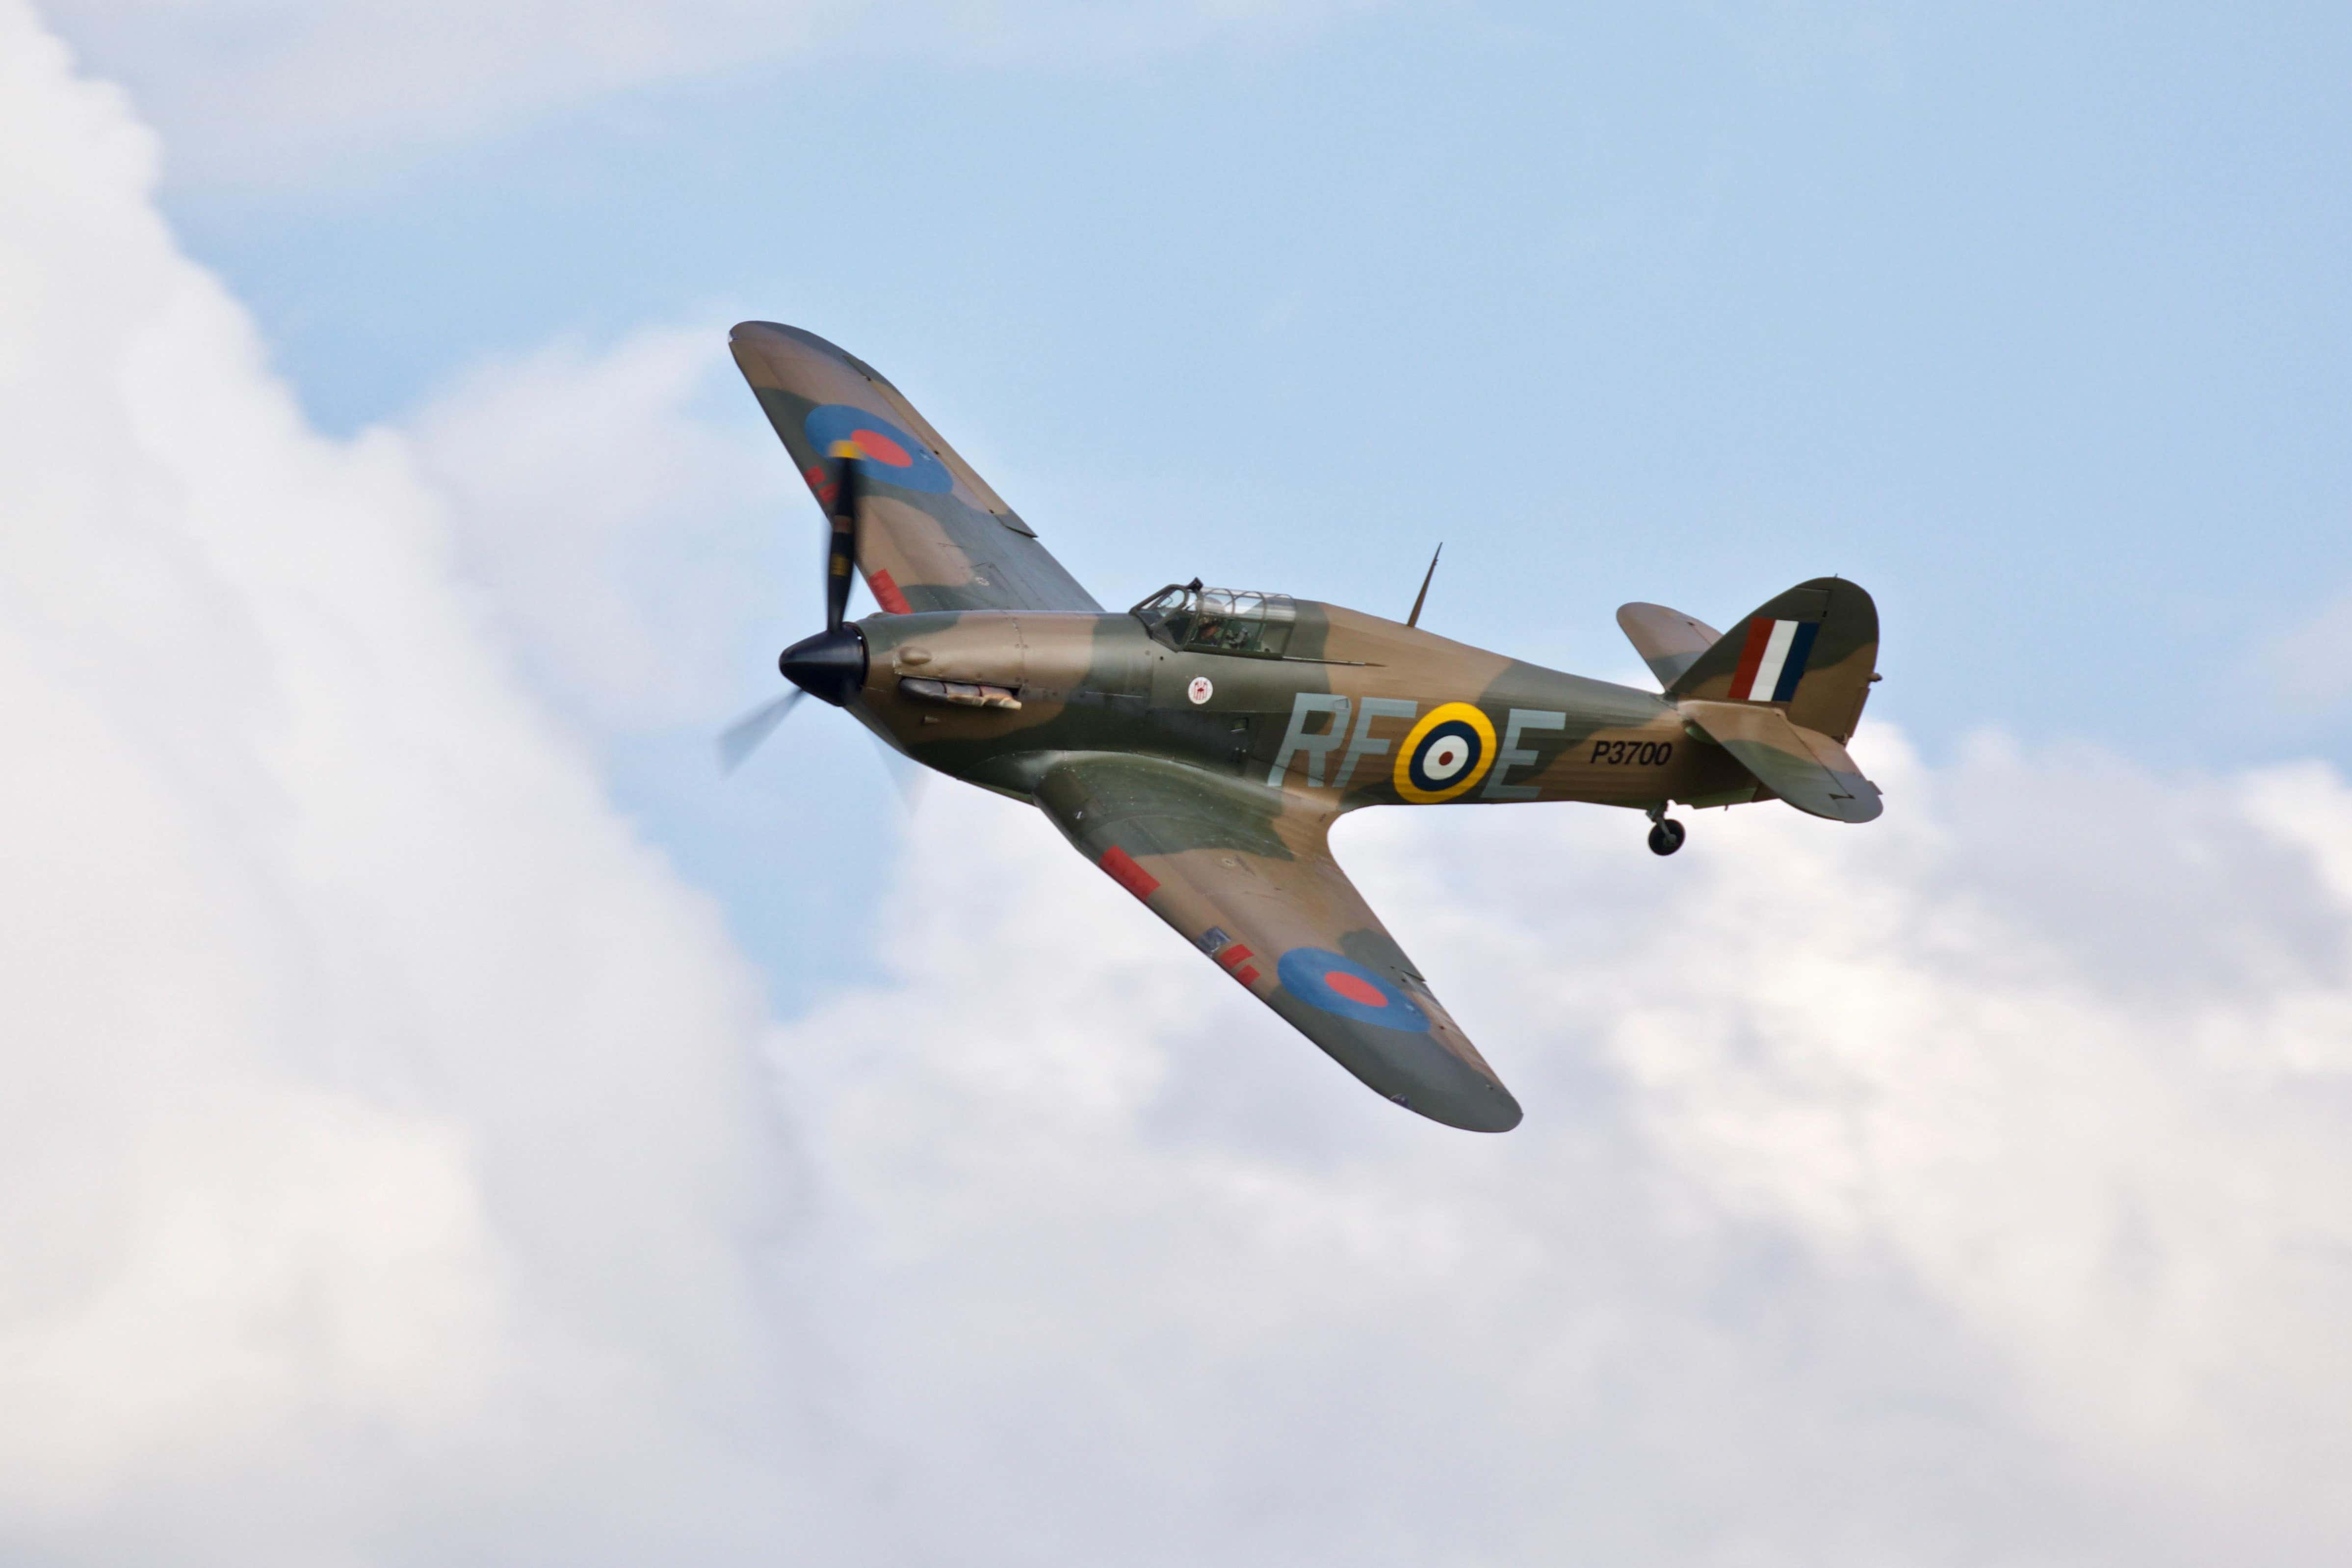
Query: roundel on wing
{"points": [[1448, 752], [1332, 982], [892, 455]]}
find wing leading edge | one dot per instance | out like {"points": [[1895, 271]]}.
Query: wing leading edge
{"points": [[934, 536], [1246, 874]]}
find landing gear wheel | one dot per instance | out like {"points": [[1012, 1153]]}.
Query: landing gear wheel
{"points": [[1666, 836]]}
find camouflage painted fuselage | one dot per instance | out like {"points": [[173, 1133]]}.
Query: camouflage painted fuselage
{"points": [[1101, 683]]}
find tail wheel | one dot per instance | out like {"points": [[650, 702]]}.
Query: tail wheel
{"points": [[1666, 836]]}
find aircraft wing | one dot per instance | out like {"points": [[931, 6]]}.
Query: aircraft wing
{"points": [[932, 535], [1246, 874]]}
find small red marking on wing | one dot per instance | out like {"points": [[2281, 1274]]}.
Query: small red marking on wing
{"points": [[822, 484], [1354, 990], [878, 447], [1127, 874], [1247, 974], [886, 595], [1234, 954]]}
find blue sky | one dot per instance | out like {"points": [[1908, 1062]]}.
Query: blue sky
{"points": [[2030, 319], [450, 1122]]}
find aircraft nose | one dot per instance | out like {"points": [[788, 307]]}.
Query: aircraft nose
{"points": [[829, 665]]}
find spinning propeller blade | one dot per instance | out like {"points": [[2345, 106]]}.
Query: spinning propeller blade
{"points": [[841, 560], [741, 739], [831, 664]]}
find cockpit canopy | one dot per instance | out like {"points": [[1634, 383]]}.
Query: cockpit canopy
{"points": [[1220, 620]]}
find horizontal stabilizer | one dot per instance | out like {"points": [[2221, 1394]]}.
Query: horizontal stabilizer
{"points": [[1804, 767], [1668, 641]]}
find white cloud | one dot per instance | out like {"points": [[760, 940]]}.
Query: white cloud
{"points": [[1970, 1187], [237, 75], [2311, 663], [260, 88], [384, 1140], [625, 541], [396, 1166]]}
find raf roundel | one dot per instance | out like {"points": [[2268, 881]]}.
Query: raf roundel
{"points": [[891, 456], [1446, 755], [1201, 690], [1333, 984]]}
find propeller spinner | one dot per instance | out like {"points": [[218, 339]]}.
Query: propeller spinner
{"points": [[830, 665]]}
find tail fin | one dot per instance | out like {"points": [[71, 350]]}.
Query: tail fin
{"points": [[1668, 641], [1813, 651]]}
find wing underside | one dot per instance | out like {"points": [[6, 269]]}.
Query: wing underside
{"points": [[1246, 875], [933, 535]]}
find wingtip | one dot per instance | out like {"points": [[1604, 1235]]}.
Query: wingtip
{"points": [[1436, 1083], [759, 337], [781, 333], [1493, 1111], [777, 344]]}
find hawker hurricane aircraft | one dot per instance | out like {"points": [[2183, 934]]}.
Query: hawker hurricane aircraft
{"points": [[1199, 746]]}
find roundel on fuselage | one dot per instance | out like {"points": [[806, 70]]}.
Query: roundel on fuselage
{"points": [[891, 455], [1446, 753]]}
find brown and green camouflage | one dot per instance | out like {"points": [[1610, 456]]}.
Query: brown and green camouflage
{"points": [[1199, 746]]}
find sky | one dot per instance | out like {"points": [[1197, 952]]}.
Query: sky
{"points": [[453, 1124]]}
